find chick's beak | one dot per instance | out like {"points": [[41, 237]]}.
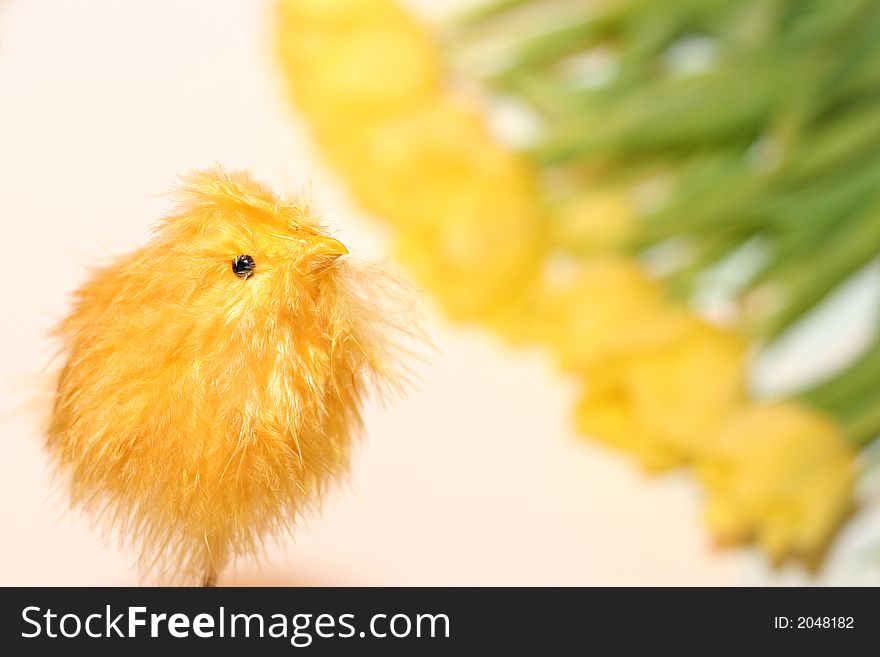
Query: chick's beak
{"points": [[321, 252], [325, 248]]}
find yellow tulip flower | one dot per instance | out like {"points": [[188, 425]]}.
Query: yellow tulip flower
{"points": [[663, 398], [353, 62], [781, 474], [594, 221], [589, 310]]}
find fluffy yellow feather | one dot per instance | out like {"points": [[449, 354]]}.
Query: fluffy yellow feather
{"points": [[213, 379]]}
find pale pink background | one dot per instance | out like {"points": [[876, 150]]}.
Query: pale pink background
{"points": [[475, 479]]}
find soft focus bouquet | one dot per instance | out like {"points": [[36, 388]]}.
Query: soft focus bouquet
{"points": [[656, 143]]}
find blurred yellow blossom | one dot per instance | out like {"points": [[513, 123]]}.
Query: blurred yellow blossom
{"points": [[663, 397], [352, 62], [590, 309], [336, 14], [477, 259], [782, 475], [406, 167], [594, 221], [466, 209]]}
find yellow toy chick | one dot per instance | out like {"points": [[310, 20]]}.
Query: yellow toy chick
{"points": [[214, 378]]}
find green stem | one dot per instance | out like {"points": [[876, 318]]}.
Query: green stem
{"points": [[728, 106], [802, 288], [490, 10], [683, 283], [852, 396], [834, 144], [837, 393], [864, 428]]}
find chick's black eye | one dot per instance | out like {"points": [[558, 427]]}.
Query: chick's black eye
{"points": [[243, 266]]}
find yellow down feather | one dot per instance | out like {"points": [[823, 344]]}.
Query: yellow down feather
{"points": [[200, 409]]}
